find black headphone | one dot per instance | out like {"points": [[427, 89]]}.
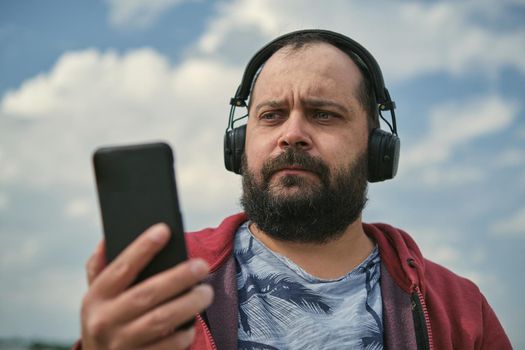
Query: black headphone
{"points": [[383, 146]]}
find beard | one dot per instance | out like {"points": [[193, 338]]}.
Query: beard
{"points": [[300, 209]]}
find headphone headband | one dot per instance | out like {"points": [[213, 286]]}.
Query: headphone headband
{"points": [[382, 96]]}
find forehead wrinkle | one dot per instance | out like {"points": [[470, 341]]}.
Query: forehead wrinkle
{"points": [[318, 83]]}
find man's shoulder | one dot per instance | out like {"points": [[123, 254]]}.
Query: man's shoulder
{"points": [[400, 252], [442, 279]]}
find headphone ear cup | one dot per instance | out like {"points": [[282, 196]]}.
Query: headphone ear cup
{"points": [[234, 148], [383, 155]]}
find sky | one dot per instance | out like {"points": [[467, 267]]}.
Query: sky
{"points": [[77, 75]]}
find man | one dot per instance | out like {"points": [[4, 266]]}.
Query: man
{"points": [[298, 269]]}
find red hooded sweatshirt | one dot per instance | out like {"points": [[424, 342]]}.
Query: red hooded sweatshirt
{"points": [[425, 306]]}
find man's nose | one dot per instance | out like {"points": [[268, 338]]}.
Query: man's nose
{"points": [[295, 132]]}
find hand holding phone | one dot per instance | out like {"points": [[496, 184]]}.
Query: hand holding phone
{"points": [[139, 299]]}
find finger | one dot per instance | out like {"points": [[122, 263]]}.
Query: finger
{"points": [[96, 262], [166, 318], [157, 289], [122, 271], [179, 340]]}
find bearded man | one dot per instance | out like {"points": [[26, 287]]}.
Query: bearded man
{"points": [[298, 269]]}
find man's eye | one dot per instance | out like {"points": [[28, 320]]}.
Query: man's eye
{"points": [[269, 116], [320, 115]]}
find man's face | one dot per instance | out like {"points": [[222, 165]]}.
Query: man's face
{"points": [[307, 133], [307, 99]]}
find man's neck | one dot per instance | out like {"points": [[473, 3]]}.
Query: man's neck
{"points": [[329, 260]]}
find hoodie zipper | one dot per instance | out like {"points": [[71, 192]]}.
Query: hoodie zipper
{"points": [[207, 331], [421, 321]]}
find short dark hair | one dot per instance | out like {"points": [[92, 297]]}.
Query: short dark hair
{"points": [[365, 90]]}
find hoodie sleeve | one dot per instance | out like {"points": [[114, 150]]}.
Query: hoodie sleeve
{"points": [[494, 336]]}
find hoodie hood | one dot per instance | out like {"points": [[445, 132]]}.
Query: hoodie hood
{"points": [[215, 245], [400, 254]]}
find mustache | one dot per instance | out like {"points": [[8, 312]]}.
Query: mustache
{"points": [[295, 157]]}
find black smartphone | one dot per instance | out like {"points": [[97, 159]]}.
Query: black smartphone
{"points": [[136, 189]]}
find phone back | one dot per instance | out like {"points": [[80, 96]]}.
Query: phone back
{"points": [[136, 187]]}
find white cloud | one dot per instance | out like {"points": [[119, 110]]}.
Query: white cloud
{"points": [[138, 13], [79, 208], [454, 124], [79, 79], [92, 98], [512, 226], [414, 38], [233, 15], [452, 176]]}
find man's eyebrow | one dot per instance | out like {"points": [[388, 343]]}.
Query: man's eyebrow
{"points": [[319, 103], [269, 103], [311, 103]]}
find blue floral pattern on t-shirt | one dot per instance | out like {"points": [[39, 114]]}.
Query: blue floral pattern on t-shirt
{"points": [[282, 307]]}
